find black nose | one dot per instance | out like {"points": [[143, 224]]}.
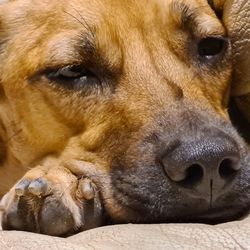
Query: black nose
{"points": [[204, 166]]}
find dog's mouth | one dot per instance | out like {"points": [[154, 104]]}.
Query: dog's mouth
{"points": [[199, 173], [194, 212], [166, 176], [144, 195]]}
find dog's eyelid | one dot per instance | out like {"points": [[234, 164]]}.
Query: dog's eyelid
{"points": [[223, 38], [212, 50], [49, 68]]}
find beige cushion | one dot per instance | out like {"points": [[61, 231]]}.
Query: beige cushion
{"points": [[237, 20], [233, 235]]}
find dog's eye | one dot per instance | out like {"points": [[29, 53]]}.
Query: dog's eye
{"points": [[211, 46], [74, 76]]}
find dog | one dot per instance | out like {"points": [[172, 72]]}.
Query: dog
{"points": [[117, 112]]}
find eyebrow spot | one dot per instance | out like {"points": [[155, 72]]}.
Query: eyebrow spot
{"points": [[87, 44]]}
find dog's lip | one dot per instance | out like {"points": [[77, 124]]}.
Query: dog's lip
{"points": [[218, 212], [222, 215], [210, 217], [214, 214]]}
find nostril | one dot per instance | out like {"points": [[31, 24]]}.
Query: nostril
{"points": [[227, 168], [192, 165], [194, 175]]}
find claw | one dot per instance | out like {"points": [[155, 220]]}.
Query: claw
{"points": [[21, 187], [38, 187]]}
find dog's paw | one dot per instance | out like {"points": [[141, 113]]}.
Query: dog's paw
{"points": [[52, 201]]}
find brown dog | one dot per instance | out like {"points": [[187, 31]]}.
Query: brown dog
{"points": [[121, 108]]}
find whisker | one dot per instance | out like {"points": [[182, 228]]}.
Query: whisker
{"points": [[90, 29], [83, 22]]}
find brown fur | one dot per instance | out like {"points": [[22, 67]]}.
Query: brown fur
{"points": [[39, 120]]}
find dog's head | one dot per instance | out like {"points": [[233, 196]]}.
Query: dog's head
{"points": [[139, 88]]}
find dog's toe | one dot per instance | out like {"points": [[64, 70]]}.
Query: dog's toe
{"points": [[56, 204], [19, 216], [22, 187], [39, 187], [86, 189]]}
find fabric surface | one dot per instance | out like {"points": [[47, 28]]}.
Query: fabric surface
{"points": [[232, 235], [237, 21]]}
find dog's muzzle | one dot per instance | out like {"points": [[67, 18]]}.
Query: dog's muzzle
{"points": [[193, 170]]}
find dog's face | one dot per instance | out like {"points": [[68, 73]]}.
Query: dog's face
{"points": [[139, 88]]}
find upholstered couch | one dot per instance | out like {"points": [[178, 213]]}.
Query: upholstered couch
{"points": [[233, 235]]}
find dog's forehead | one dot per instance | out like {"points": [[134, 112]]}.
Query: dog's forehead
{"points": [[124, 14], [92, 9], [121, 15], [55, 27]]}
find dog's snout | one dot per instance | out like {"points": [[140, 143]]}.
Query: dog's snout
{"points": [[197, 165]]}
